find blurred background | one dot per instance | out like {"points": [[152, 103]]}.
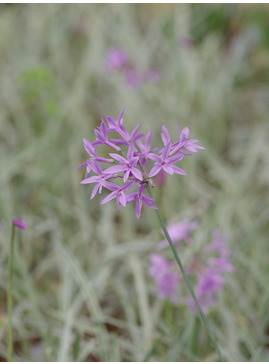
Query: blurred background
{"points": [[81, 285]]}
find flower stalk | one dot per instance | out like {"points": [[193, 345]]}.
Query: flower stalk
{"points": [[20, 224], [195, 336], [188, 283], [9, 296]]}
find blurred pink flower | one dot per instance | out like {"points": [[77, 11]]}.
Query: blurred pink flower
{"points": [[160, 178], [208, 268], [116, 58], [166, 278], [178, 232], [210, 278], [19, 222], [132, 77]]}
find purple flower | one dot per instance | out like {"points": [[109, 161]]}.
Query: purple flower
{"points": [[166, 279], [164, 162], [178, 232], [102, 138], [116, 58], [185, 142], [211, 278], [92, 153], [209, 282], [90, 149], [140, 199], [220, 264], [219, 246], [116, 126], [118, 192], [100, 179], [19, 222], [165, 136], [127, 165], [145, 149], [132, 77]]}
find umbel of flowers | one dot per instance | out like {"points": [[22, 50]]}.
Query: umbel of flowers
{"points": [[133, 162]]}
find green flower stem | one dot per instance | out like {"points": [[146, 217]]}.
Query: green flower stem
{"points": [[187, 281], [195, 335], [9, 296]]}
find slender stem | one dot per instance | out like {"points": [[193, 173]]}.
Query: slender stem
{"points": [[9, 296], [195, 335], [188, 283]]}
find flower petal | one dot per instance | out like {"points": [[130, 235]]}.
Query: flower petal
{"points": [[154, 157], [110, 186], [109, 197], [148, 202], [137, 173], [166, 150], [122, 198], [155, 170], [118, 158], [95, 188], [175, 158], [178, 170], [131, 197], [165, 136], [138, 207], [141, 187], [112, 145], [130, 152], [92, 179], [128, 185], [135, 130], [111, 122], [138, 137], [126, 175], [81, 166], [95, 167], [168, 169], [148, 139], [115, 169], [89, 147], [120, 117]]}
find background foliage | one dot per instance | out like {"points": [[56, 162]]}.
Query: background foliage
{"points": [[81, 286]]}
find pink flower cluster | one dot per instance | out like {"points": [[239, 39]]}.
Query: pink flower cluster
{"points": [[166, 277], [118, 60], [134, 162], [209, 267]]}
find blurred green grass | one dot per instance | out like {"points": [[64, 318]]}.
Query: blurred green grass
{"points": [[81, 285]]}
